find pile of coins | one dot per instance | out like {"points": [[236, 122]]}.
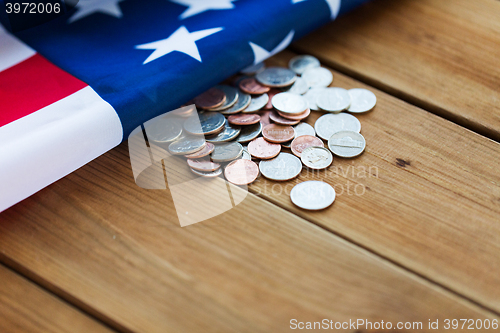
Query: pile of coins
{"points": [[257, 116]]}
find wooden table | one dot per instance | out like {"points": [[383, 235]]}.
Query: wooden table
{"points": [[96, 253]]}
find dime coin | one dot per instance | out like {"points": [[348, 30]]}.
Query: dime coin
{"points": [[301, 143], [304, 129], [311, 96], [227, 134], [248, 133], [284, 167], [253, 69], [163, 130], [274, 116], [334, 100], [271, 93], [213, 174], [264, 117], [316, 158], [241, 172], [205, 151], [227, 152], [331, 123], [206, 123], [184, 111], [289, 103], [299, 87], [362, 100], [318, 77], [276, 77], [241, 104], [257, 103], [204, 165], [312, 195], [251, 86], [347, 144], [262, 149], [231, 98], [244, 119], [300, 63], [187, 145], [278, 133], [299, 116], [211, 98]]}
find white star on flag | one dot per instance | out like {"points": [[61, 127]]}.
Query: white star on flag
{"points": [[333, 4], [89, 7], [261, 54], [199, 6], [181, 40]]}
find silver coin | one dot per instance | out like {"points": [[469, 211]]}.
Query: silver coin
{"points": [[331, 123], [187, 145], [312, 195], [362, 100], [299, 64], [227, 152], [227, 134], [311, 96], [276, 77], [283, 167], [318, 77], [304, 129], [246, 155], [287, 144], [289, 103], [300, 87], [253, 69], [334, 100], [206, 123], [241, 104], [347, 144], [257, 102], [212, 174], [163, 130], [250, 132], [231, 97], [316, 158]]}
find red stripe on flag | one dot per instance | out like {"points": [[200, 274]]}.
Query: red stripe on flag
{"points": [[32, 85]]}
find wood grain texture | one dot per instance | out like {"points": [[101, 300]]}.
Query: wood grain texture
{"points": [[25, 307], [117, 251], [442, 55]]}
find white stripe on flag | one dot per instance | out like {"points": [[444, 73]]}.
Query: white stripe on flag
{"points": [[12, 50]]}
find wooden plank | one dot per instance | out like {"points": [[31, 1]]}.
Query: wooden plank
{"points": [[117, 251], [25, 307], [441, 55], [425, 194]]}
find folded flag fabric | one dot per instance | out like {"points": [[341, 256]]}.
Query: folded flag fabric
{"points": [[75, 87]]}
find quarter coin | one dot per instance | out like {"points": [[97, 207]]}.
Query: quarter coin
{"points": [[241, 104], [312, 195], [248, 133], [289, 103], [334, 100], [304, 129], [227, 152], [257, 103], [362, 100], [244, 119], [299, 116], [204, 165], [300, 63], [163, 130], [299, 87], [251, 86], [210, 99], [316, 158], [347, 144], [318, 77], [231, 98], [274, 116], [241, 172], [276, 77], [213, 174], [299, 144], [283, 167], [331, 123], [205, 151], [278, 133], [206, 123], [187, 145], [311, 96], [262, 149], [253, 69], [227, 134]]}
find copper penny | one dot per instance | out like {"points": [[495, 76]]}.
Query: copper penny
{"points": [[300, 143], [251, 86], [210, 99], [271, 93], [241, 172], [278, 133], [299, 116], [204, 165], [264, 117], [274, 116], [244, 119], [205, 151], [262, 149]]}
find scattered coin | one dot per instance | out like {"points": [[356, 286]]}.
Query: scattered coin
{"points": [[205, 151], [301, 143], [241, 104], [299, 116], [244, 119], [312, 195], [227, 152], [262, 149], [229, 133], [318, 77], [264, 117], [184, 111], [276, 77], [231, 97], [300, 63], [312, 95], [251, 86], [289, 103], [241, 172], [274, 116], [283, 167], [253, 69], [246, 155], [210, 99], [304, 129], [202, 164], [316, 158], [257, 103], [300, 87], [271, 93], [213, 174], [248, 133], [278, 133], [331, 123], [187, 145], [206, 123], [334, 100], [163, 130], [287, 144], [362, 100], [347, 144]]}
